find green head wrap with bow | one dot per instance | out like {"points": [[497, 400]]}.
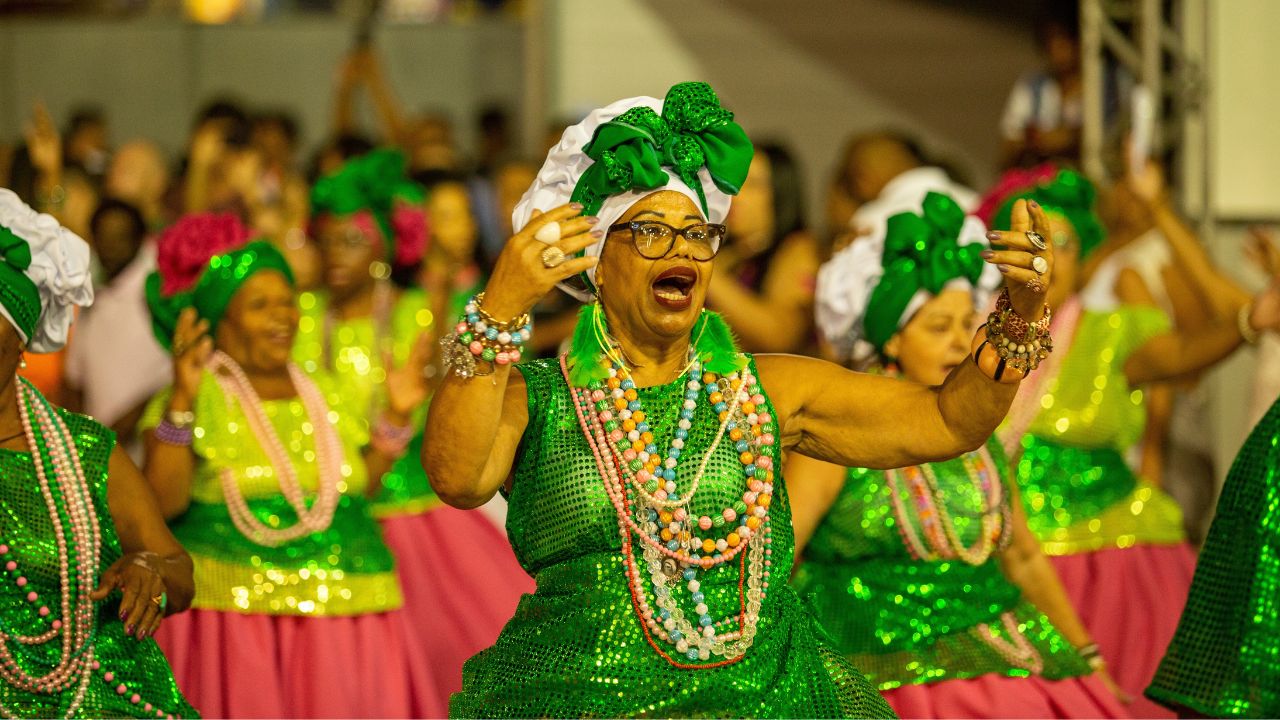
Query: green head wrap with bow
{"points": [[373, 182], [693, 132], [18, 293], [921, 252], [213, 292], [1068, 194]]}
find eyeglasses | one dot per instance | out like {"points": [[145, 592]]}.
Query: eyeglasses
{"points": [[655, 239]]}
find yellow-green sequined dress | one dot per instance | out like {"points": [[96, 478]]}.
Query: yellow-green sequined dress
{"points": [[1115, 539], [26, 532], [306, 628], [576, 647]]}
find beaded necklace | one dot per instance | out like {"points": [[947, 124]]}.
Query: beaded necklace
{"points": [[235, 385], [941, 541], [640, 483]]}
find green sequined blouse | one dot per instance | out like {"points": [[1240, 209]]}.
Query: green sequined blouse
{"points": [[575, 647], [907, 621], [344, 570], [1077, 490], [1224, 660], [26, 528]]}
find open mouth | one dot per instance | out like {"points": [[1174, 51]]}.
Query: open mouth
{"points": [[673, 288]]}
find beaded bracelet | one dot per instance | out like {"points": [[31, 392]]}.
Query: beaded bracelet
{"points": [[480, 336], [1007, 347], [170, 434], [390, 439]]}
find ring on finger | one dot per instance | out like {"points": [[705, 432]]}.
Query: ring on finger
{"points": [[552, 256], [1035, 286], [1040, 265], [161, 601], [1037, 239], [549, 233]]}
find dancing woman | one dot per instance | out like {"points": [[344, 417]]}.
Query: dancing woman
{"points": [[87, 567], [642, 467]]}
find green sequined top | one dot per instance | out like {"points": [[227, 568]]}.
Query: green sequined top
{"points": [[907, 621], [576, 647], [1078, 492], [344, 570], [1224, 660], [355, 362], [26, 528]]}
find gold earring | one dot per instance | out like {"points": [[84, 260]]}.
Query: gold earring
{"points": [[22, 360]]}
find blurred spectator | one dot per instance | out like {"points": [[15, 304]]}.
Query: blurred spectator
{"points": [[331, 156], [114, 363], [494, 130], [495, 197], [280, 205], [138, 175], [85, 143], [220, 166], [765, 271]]}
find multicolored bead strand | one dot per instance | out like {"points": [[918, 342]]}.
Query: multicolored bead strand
{"points": [[942, 542]]}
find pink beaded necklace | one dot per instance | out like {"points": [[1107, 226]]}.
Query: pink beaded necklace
{"points": [[941, 541], [316, 518]]}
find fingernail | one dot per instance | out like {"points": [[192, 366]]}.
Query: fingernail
{"points": [[128, 629], [1033, 204], [987, 254], [592, 219], [993, 235], [576, 206], [123, 614], [597, 234], [1003, 268]]}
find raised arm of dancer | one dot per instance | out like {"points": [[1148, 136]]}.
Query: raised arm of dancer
{"points": [[857, 420], [812, 486], [474, 425], [1178, 353], [170, 467], [153, 561]]}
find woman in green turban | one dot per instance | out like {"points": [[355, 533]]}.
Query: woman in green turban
{"points": [[926, 576], [88, 570], [643, 467], [1116, 540], [262, 470]]}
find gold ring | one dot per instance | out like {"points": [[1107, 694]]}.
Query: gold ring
{"points": [[1035, 286], [1037, 239], [156, 600], [1040, 265], [552, 256]]}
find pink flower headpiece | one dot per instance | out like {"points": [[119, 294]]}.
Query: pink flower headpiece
{"points": [[184, 249]]}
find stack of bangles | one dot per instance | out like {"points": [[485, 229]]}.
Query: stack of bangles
{"points": [[1007, 347], [390, 439], [176, 431], [1092, 655], [481, 337]]}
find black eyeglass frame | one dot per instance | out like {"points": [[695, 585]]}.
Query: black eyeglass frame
{"points": [[635, 225]]}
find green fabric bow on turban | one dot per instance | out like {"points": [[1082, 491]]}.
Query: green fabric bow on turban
{"points": [[373, 182], [214, 290], [921, 252], [18, 293], [693, 132], [1070, 195]]}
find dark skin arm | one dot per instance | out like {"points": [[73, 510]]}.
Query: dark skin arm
{"points": [[153, 562]]}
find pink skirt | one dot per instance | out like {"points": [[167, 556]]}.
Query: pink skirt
{"points": [[231, 665], [1130, 600], [461, 584], [1000, 696]]}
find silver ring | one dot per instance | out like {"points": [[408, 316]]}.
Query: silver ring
{"points": [[1037, 239], [552, 256], [1040, 265]]}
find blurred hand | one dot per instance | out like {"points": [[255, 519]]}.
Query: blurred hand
{"points": [[1016, 259], [1113, 686], [1265, 316], [192, 348], [407, 386], [44, 144], [1148, 184], [1263, 251]]}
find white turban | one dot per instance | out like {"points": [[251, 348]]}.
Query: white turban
{"points": [[567, 162], [59, 269]]}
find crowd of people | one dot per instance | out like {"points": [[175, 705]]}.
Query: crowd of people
{"points": [[329, 441]]}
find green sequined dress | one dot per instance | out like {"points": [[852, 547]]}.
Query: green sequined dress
{"points": [[26, 528], [1224, 660], [904, 620], [576, 647]]}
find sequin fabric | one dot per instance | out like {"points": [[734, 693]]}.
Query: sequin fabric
{"points": [[344, 570], [1224, 660], [1078, 493], [906, 621], [26, 528], [575, 647]]}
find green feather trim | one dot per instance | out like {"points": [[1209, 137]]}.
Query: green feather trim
{"points": [[586, 349], [715, 346]]}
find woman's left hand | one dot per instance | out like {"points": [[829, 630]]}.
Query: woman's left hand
{"points": [[138, 577], [407, 386], [1027, 268]]}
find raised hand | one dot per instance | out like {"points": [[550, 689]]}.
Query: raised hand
{"points": [[1263, 251], [1027, 267], [44, 144], [191, 348], [407, 385], [524, 272], [1265, 315]]}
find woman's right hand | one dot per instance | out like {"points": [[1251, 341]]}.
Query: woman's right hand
{"points": [[520, 278], [192, 348]]}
